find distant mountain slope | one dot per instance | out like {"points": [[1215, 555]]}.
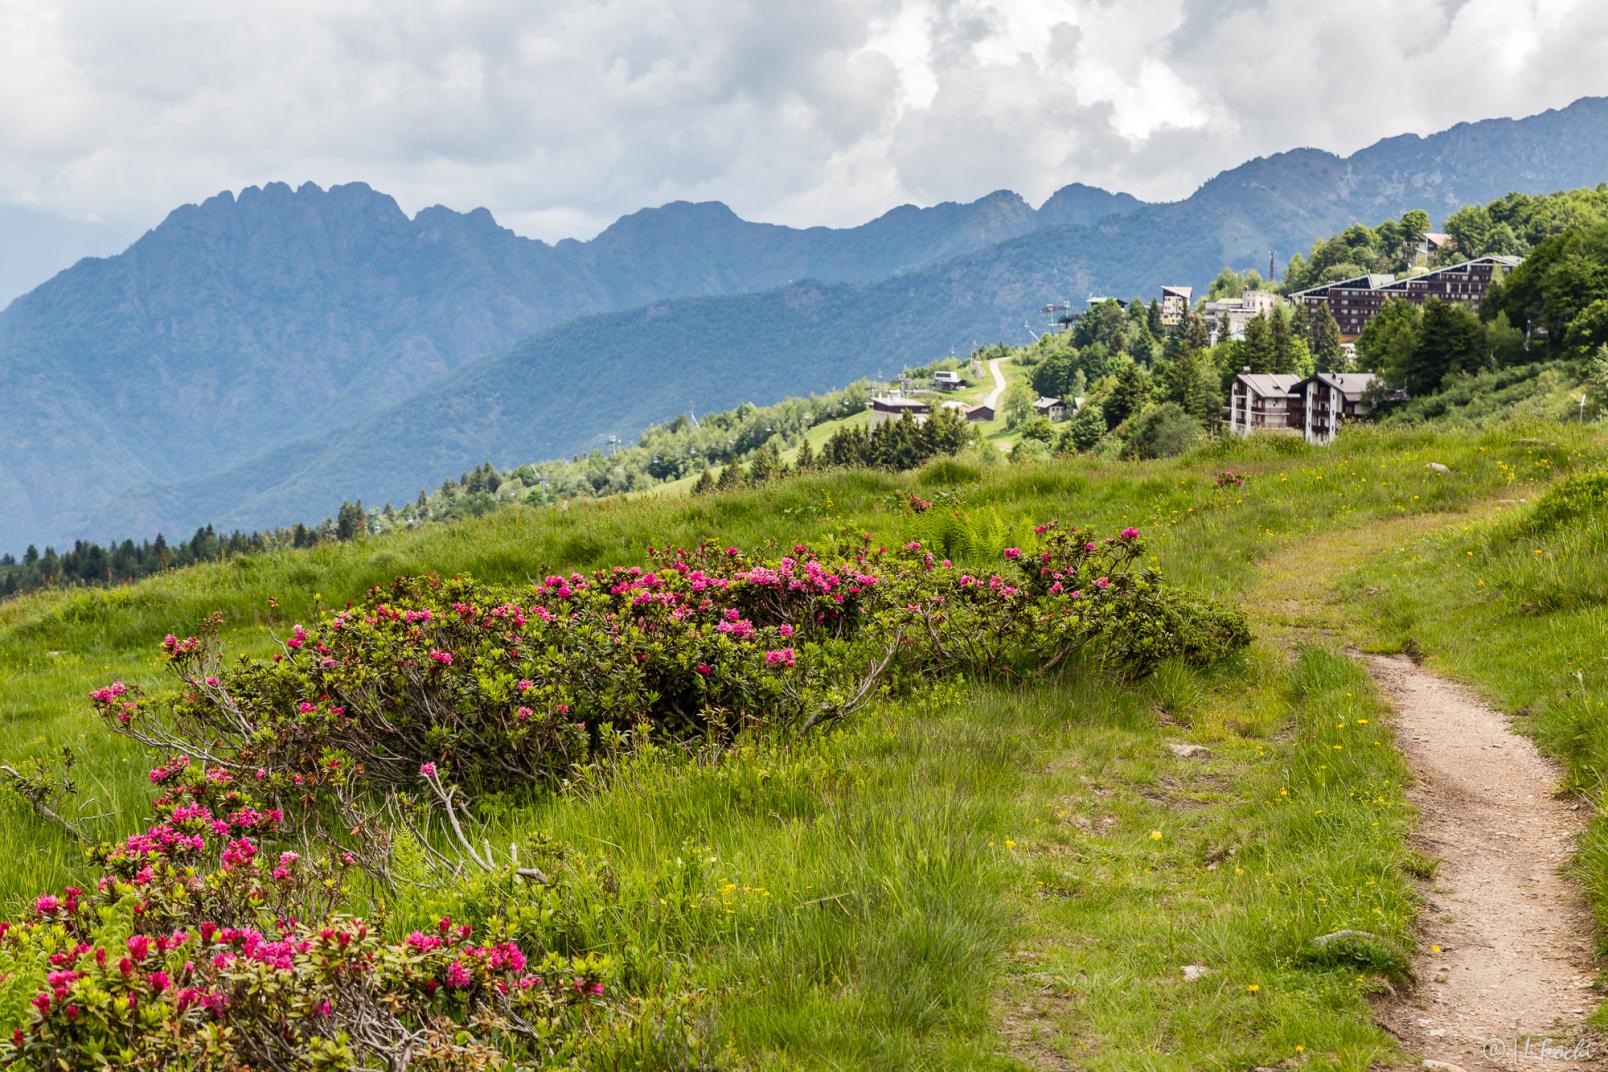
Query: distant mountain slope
{"points": [[564, 390], [284, 387], [241, 325]]}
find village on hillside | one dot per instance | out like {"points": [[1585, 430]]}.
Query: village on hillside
{"points": [[1313, 406]]}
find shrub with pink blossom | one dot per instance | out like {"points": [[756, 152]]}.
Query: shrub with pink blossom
{"points": [[223, 935]]}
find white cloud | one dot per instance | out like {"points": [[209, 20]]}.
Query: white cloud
{"points": [[561, 116]]}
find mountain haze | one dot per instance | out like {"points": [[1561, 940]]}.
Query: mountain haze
{"points": [[243, 324], [256, 360]]}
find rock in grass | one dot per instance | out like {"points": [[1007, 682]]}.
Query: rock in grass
{"points": [[1187, 750], [1324, 941], [1437, 467], [1195, 971]]}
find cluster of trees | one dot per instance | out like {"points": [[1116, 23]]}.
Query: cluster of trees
{"points": [[1517, 223], [1416, 347], [664, 452], [89, 563], [1233, 284], [904, 443], [1389, 247], [1114, 370], [1559, 293]]}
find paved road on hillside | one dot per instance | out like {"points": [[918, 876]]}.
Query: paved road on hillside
{"points": [[991, 400]]}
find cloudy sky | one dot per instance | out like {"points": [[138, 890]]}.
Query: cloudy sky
{"points": [[561, 115]]}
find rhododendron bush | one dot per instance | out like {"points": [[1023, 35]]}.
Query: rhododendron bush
{"points": [[224, 935], [504, 687], [208, 941]]}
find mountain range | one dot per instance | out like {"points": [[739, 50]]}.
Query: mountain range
{"points": [[256, 359]]}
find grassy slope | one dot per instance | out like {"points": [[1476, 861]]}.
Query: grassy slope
{"points": [[993, 431], [972, 880]]}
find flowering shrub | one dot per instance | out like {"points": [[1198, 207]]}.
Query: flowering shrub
{"points": [[1230, 479], [327, 995], [504, 687], [222, 935], [209, 943], [1072, 594]]}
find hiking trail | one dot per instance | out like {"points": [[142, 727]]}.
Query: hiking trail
{"points": [[1505, 976]]}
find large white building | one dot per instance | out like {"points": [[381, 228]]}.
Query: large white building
{"points": [[1235, 313]]}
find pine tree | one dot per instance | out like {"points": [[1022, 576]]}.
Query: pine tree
{"points": [[1283, 344], [1196, 335], [806, 457], [704, 484], [731, 478], [767, 465], [351, 522], [1323, 336], [1129, 397], [849, 447], [1256, 349], [1449, 340]]}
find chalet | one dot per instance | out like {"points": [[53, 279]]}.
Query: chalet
{"points": [[974, 414], [1232, 314], [1175, 304], [1263, 402], [1437, 243], [1053, 408], [947, 380], [893, 408], [1329, 399]]}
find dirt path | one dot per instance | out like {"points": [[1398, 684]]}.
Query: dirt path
{"points": [[1513, 967], [1514, 962]]}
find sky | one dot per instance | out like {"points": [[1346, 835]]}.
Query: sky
{"points": [[562, 115]]}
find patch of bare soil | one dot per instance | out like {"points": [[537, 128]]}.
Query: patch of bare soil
{"points": [[1507, 978]]}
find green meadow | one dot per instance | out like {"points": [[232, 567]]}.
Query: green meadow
{"points": [[1004, 873]]}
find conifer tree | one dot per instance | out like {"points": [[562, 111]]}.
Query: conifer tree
{"points": [[1282, 344], [1129, 397], [766, 466], [1256, 349], [806, 457], [1323, 336]]}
